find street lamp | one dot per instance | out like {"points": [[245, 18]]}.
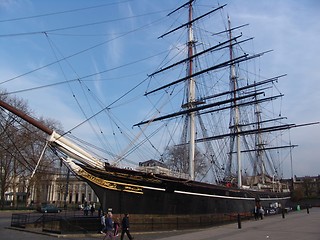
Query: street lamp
{"points": [[273, 182]]}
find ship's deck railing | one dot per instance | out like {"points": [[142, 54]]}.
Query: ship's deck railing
{"points": [[162, 171]]}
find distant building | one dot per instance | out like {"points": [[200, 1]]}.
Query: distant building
{"points": [[309, 185], [54, 191], [305, 187], [78, 191]]}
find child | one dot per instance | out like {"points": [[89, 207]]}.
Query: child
{"points": [[116, 226]]}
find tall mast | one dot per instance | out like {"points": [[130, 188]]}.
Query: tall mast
{"points": [[233, 84], [259, 143], [191, 95]]}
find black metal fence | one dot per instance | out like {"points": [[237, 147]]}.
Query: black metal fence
{"points": [[76, 222], [22, 220], [64, 222], [164, 223]]}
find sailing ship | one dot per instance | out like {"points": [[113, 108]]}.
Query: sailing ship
{"points": [[222, 133]]}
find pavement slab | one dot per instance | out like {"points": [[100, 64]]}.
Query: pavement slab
{"points": [[294, 225]]}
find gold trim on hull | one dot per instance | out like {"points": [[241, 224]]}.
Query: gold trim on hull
{"points": [[111, 185]]}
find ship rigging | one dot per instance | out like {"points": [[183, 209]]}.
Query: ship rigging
{"points": [[211, 116]]}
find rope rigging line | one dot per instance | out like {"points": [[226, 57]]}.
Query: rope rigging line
{"points": [[81, 52], [103, 141], [26, 163], [53, 47], [62, 12], [78, 26]]}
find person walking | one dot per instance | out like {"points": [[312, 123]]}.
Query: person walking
{"points": [[109, 227], [92, 209], [103, 223], [261, 212], [116, 226], [125, 227], [86, 209], [256, 212]]}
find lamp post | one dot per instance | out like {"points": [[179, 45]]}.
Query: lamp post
{"points": [[66, 192], [273, 182]]}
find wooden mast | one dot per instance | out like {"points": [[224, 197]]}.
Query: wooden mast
{"points": [[191, 96], [27, 118], [57, 141], [234, 86]]}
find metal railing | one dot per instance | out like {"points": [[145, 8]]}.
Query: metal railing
{"points": [[76, 222], [23, 219], [67, 221]]}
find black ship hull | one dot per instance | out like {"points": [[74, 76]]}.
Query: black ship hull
{"points": [[135, 192]]}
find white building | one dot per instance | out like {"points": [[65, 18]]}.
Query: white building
{"points": [[59, 190]]}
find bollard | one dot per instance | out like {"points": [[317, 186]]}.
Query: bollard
{"points": [[282, 212], [239, 221]]}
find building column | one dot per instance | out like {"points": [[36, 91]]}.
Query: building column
{"points": [[73, 193], [54, 191], [86, 192], [79, 193]]}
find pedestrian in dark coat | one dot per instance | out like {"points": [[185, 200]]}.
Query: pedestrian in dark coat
{"points": [[125, 227], [109, 227]]}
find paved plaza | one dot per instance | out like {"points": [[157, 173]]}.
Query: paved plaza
{"points": [[294, 225]]}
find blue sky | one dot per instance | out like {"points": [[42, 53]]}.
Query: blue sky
{"points": [[113, 46]]}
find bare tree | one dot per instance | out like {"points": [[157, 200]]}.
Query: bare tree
{"points": [[177, 159], [9, 147], [48, 164], [21, 146], [6, 166]]}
